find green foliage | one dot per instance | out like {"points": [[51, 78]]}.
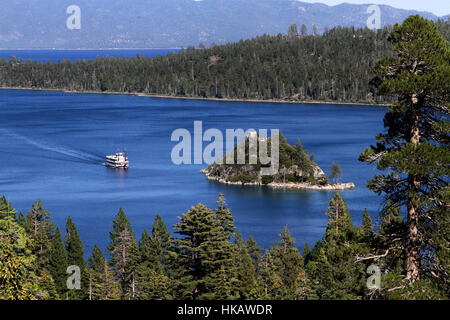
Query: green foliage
{"points": [[266, 179], [335, 67], [288, 265], [224, 217], [245, 271], [335, 172], [6, 209], [332, 264], [204, 263], [161, 241], [153, 284], [97, 261], [294, 165], [46, 287], [340, 225], [40, 227], [414, 149], [367, 226], [73, 244], [107, 287], [17, 280], [223, 290], [124, 255], [57, 264], [255, 253], [332, 67], [75, 256], [202, 251]]}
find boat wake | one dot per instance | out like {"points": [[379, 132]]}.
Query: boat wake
{"points": [[70, 153]]}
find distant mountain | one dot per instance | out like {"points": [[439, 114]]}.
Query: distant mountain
{"points": [[170, 23]]}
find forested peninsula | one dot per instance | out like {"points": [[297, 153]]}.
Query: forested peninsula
{"points": [[333, 67]]}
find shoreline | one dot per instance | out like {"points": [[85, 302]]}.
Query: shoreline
{"points": [[139, 94], [83, 49], [288, 185]]}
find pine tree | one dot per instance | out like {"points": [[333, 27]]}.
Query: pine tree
{"points": [[75, 256], [96, 261], [306, 253], [415, 145], [6, 209], [57, 265], [316, 249], [224, 217], [109, 288], [223, 290], [21, 220], [288, 262], [333, 267], [303, 289], [245, 282], [201, 252], [224, 248], [195, 227], [340, 223], [152, 284], [40, 228], [367, 226], [73, 244], [271, 281], [124, 253], [255, 253], [96, 265], [146, 250], [47, 287], [335, 172], [160, 244], [320, 271]]}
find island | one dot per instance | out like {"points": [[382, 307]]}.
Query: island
{"points": [[297, 170]]}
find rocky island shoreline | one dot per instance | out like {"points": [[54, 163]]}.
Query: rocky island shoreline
{"points": [[297, 170], [284, 185]]}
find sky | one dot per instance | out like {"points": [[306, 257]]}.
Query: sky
{"points": [[438, 7]]}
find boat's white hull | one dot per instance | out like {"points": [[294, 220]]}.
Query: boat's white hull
{"points": [[113, 165]]}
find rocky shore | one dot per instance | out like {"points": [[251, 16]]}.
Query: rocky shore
{"points": [[281, 185]]}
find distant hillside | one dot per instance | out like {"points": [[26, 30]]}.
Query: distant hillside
{"points": [[170, 23], [335, 67]]}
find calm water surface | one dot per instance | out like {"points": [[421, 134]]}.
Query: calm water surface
{"points": [[73, 55], [52, 144]]}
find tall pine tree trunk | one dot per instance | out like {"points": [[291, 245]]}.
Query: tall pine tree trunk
{"points": [[412, 241], [412, 246]]}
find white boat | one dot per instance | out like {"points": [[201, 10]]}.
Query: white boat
{"points": [[119, 160]]}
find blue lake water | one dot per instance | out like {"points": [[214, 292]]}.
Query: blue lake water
{"points": [[73, 55], [52, 143]]}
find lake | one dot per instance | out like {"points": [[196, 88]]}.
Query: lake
{"points": [[53, 143], [73, 55]]}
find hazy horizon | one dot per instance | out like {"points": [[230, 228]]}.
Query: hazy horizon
{"points": [[436, 7]]}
